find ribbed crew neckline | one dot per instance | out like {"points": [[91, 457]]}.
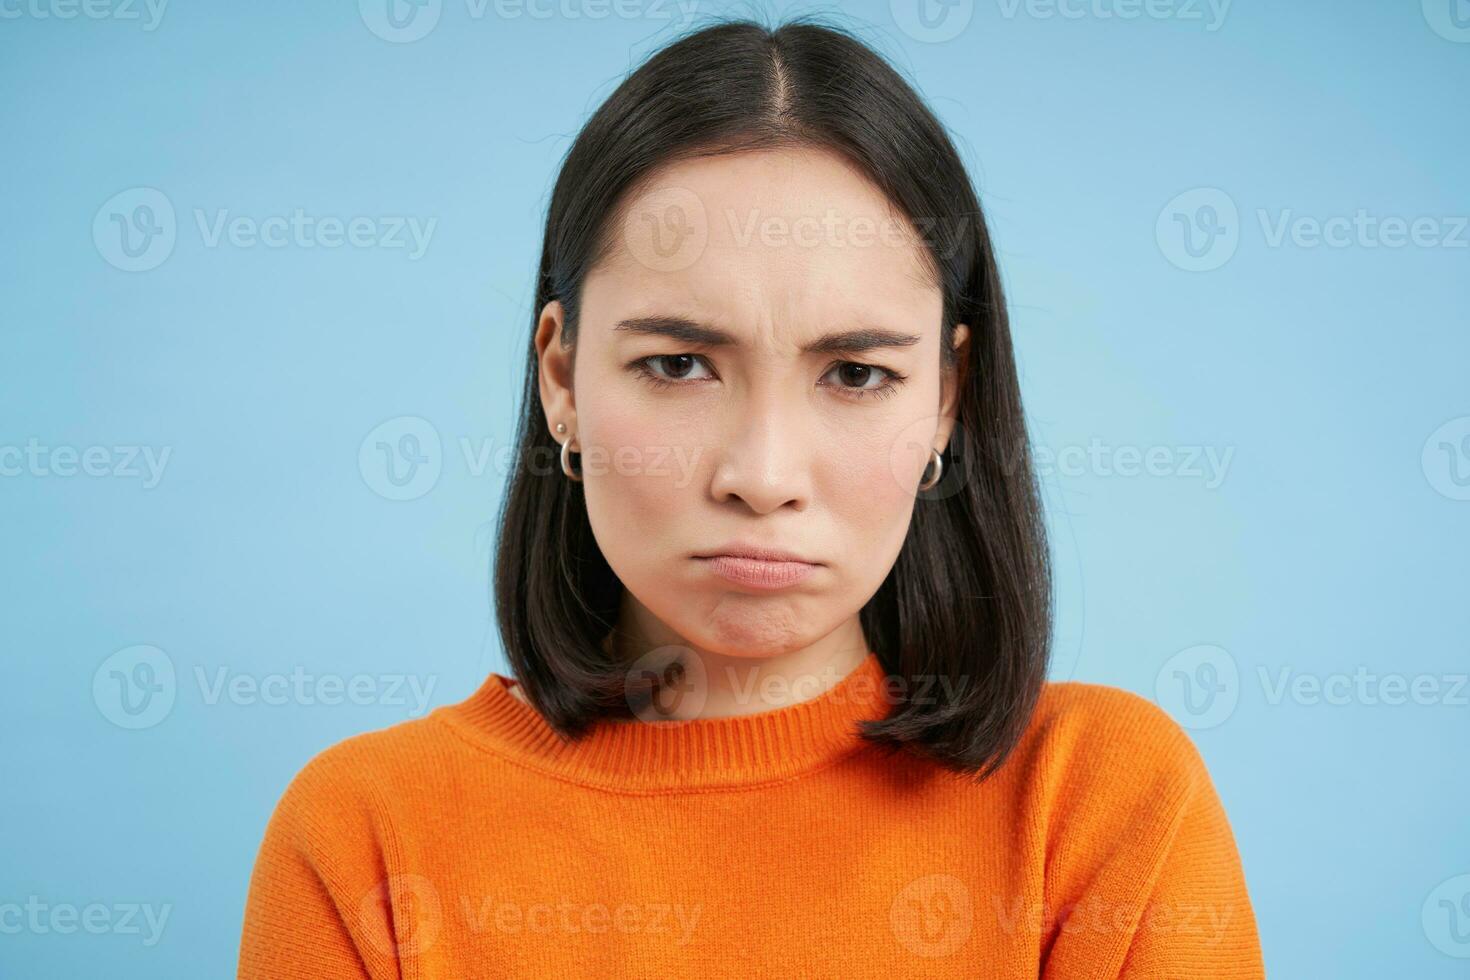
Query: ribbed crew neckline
{"points": [[649, 756]]}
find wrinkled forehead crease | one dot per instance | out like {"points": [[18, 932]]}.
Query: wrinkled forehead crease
{"points": [[710, 304], [631, 314], [856, 335], [873, 228], [912, 259]]}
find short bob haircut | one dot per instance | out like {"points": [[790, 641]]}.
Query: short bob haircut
{"points": [[963, 619]]}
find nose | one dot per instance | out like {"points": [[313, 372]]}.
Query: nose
{"points": [[763, 459]]}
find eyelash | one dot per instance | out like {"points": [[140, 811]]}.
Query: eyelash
{"points": [[885, 390]]}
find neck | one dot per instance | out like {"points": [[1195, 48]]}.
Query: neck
{"points": [[744, 677]]}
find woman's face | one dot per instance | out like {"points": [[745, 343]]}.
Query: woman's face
{"points": [[716, 402]]}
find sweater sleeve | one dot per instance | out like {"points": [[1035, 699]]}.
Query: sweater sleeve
{"points": [[1147, 881], [313, 909], [1197, 920]]}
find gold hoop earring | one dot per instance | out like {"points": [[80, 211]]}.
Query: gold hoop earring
{"points": [[566, 463], [938, 471]]}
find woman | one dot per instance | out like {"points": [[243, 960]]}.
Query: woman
{"points": [[772, 580]]}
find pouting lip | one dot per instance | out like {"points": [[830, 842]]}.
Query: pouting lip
{"points": [[736, 549]]}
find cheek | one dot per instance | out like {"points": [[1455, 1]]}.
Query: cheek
{"points": [[871, 492], [868, 479], [636, 479]]}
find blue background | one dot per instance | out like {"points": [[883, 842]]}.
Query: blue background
{"points": [[1334, 540]]}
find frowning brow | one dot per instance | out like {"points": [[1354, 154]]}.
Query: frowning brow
{"points": [[699, 335]]}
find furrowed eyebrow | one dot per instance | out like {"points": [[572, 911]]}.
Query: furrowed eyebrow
{"points": [[843, 342]]}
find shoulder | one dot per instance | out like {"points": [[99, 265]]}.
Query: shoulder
{"points": [[1125, 802], [344, 789], [1126, 824], [1095, 745], [1069, 710], [335, 832]]}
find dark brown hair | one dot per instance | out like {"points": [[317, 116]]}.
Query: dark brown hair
{"points": [[969, 599]]}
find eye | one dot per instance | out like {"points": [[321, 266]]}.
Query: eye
{"points": [[677, 366], [855, 380]]}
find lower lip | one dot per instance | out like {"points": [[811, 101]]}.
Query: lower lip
{"points": [[759, 574]]}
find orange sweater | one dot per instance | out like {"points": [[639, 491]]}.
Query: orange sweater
{"points": [[472, 843]]}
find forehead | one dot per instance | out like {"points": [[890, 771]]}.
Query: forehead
{"points": [[786, 243]]}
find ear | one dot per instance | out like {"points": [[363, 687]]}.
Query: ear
{"points": [[952, 384], [554, 374]]}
